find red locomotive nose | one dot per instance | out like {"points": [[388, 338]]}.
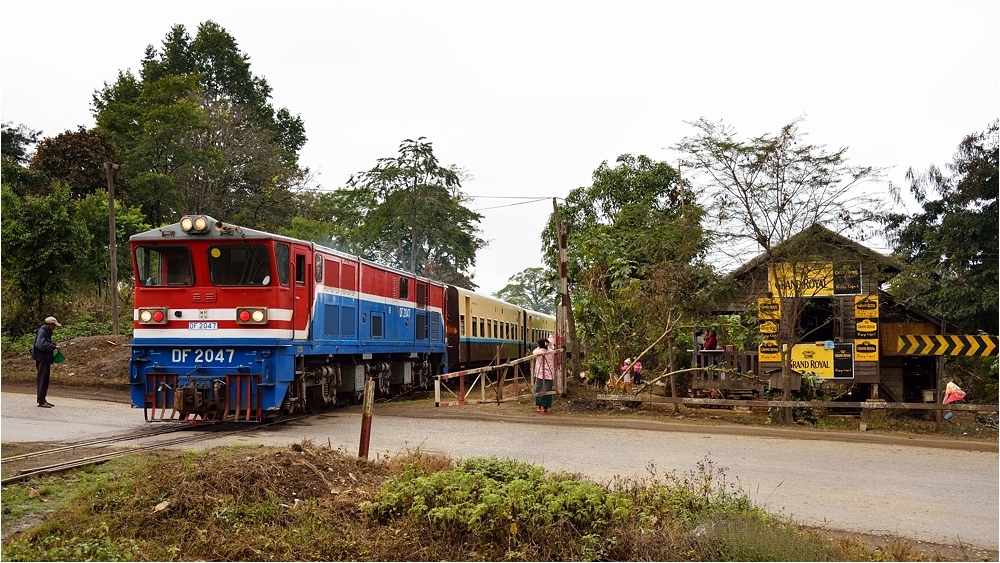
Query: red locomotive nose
{"points": [[244, 315]]}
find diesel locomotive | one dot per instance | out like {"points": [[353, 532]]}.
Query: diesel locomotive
{"points": [[237, 324]]}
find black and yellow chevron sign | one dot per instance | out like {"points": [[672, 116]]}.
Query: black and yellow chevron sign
{"points": [[947, 345]]}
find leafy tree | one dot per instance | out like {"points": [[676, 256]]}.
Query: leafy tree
{"points": [[95, 269], [447, 273], [17, 143], [151, 125], [44, 242], [531, 288], [951, 246], [196, 133], [769, 188], [223, 73], [248, 180], [76, 158], [635, 256], [951, 250], [332, 219], [413, 212]]}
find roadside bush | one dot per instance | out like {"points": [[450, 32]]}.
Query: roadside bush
{"points": [[496, 499]]}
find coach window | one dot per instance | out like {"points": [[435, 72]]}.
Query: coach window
{"points": [[404, 288], [461, 325], [319, 268], [474, 332], [482, 328], [281, 255]]}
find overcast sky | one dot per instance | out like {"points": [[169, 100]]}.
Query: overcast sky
{"points": [[530, 97]]}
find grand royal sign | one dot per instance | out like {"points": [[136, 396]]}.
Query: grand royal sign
{"points": [[815, 279]]}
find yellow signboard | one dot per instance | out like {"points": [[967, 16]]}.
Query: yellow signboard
{"points": [[866, 306], [866, 329], [805, 279], [825, 363], [815, 279], [768, 351], [866, 350], [769, 327], [768, 308]]}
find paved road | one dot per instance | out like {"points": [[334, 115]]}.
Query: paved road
{"points": [[921, 489]]}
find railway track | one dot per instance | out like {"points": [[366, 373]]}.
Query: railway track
{"points": [[203, 433]]}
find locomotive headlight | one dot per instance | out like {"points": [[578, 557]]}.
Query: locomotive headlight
{"points": [[153, 315], [194, 224], [251, 315]]}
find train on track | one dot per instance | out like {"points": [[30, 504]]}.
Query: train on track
{"points": [[232, 323]]}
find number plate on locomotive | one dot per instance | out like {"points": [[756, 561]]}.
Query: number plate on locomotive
{"points": [[203, 326]]}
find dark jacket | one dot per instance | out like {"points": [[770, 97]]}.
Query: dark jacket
{"points": [[44, 348]]}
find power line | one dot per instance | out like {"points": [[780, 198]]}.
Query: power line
{"points": [[513, 204]]}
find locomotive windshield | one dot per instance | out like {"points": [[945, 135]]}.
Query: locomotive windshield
{"points": [[244, 264], [163, 265]]}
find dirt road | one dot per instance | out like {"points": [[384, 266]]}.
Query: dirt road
{"points": [[917, 488]]}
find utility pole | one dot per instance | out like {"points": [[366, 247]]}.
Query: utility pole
{"points": [[112, 246], [565, 329]]}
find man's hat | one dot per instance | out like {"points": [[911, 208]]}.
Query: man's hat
{"points": [[52, 321]]}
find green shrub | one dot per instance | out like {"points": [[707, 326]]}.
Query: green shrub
{"points": [[496, 498]]}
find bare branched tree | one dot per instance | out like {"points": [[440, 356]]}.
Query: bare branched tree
{"points": [[760, 193]]}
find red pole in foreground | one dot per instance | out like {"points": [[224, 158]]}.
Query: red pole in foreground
{"points": [[366, 419]]}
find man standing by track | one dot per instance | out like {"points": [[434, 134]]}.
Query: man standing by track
{"points": [[43, 352]]}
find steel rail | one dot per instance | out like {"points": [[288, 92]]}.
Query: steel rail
{"points": [[101, 458], [94, 442]]}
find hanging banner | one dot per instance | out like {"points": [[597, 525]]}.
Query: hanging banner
{"points": [[815, 279]]}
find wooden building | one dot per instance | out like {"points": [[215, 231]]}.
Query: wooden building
{"points": [[847, 328]]}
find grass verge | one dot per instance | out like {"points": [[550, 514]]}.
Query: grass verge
{"points": [[313, 503]]}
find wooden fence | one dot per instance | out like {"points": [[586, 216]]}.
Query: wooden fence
{"points": [[865, 406], [498, 383]]}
